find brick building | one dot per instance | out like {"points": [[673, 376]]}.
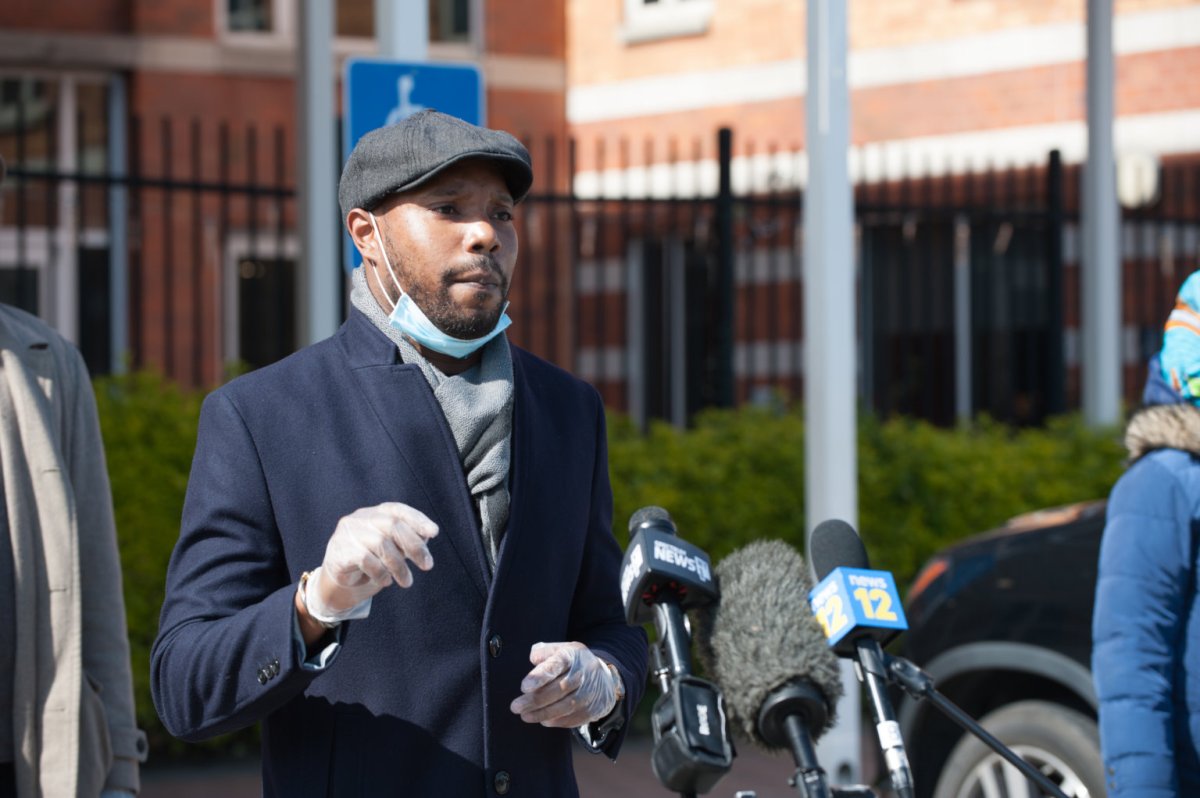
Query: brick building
{"points": [[199, 92], [152, 206], [956, 106], [944, 81]]}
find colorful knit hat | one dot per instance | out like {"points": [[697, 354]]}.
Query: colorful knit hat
{"points": [[1180, 355]]}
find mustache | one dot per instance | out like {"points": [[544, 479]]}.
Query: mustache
{"points": [[486, 263]]}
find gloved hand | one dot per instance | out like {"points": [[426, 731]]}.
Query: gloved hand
{"points": [[365, 554], [568, 687]]}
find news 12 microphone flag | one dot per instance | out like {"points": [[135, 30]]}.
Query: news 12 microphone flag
{"points": [[857, 600]]}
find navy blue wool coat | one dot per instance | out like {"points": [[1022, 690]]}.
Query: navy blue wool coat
{"points": [[416, 702]]}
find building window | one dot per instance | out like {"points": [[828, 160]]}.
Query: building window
{"points": [[262, 21], [648, 20], [250, 16], [54, 247], [449, 20], [257, 23], [266, 310], [259, 298]]}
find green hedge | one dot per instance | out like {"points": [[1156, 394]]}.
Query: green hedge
{"points": [[149, 428], [735, 476], [738, 475]]}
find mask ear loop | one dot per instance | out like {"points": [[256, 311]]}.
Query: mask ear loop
{"points": [[387, 261]]}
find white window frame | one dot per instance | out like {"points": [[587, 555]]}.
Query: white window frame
{"points": [[283, 36], [239, 245], [665, 19], [283, 13]]}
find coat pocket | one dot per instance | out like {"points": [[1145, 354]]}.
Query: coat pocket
{"points": [[95, 745]]}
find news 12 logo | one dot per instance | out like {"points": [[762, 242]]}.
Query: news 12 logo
{"points": [[855, 598]]}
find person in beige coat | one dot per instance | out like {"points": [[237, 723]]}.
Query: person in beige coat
{"points": [[67, 725]]}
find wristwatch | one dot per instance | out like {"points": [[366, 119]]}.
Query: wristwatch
{"points": [[613, 721], [616, 676], [324, 624]]}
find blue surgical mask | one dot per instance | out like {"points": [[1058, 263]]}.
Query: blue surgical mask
{"points": [[412, 321]]}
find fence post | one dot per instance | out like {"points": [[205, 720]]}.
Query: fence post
{"points": [[118, 227], [725, 281], [1055, 368]]}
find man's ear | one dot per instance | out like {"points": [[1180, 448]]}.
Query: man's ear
{"points": [[362, 232]]}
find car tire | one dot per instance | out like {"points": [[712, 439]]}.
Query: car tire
{"points": [[1062, 743]]}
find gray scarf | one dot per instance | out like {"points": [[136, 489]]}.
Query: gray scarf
{"points": [[478, 407]]}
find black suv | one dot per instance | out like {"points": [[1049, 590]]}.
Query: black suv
{"points": [[1002, 622]]}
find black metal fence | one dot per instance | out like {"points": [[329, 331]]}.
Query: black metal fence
{"points": [[160, 243], [672, 285]]}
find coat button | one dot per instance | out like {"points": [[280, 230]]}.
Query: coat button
{"points": [[495, 644], [274, 668], [502, 782], [262, 676]]}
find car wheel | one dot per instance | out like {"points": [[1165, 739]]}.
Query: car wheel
{"points": [[1061, 743]]}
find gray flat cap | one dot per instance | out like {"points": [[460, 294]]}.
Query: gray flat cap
{"points": [[405, 155]]}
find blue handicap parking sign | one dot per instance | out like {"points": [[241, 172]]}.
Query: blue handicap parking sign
{"points": [[381, 92]]}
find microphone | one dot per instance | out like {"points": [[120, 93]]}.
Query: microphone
{"points": [[661, 576], [860, 611], [763, 646]]}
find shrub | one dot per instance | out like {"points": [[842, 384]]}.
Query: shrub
{"points": [[738, 475], [149, 429]]}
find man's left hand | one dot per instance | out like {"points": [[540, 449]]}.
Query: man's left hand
{"points": [[569, 686]]}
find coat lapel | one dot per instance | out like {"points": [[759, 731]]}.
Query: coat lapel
{"points": [[41, 516], [405, 408]]}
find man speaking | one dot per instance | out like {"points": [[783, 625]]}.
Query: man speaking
{"points": [[396, 547]]}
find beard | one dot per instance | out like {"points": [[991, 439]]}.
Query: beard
{"points": [[434, 300]]}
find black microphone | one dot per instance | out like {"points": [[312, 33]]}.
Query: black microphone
{"points": [[762, 644], [661, 576], [835, 545]]}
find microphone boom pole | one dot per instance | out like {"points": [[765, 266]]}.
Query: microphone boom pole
{"points": [[919, 684]]}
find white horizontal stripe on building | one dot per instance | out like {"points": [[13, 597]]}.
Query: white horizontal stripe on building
{"points": [[966, 56]]}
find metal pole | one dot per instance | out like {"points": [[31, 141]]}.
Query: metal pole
{"points": [[1100, 277], [65, 275], [830, 360], [402, 30], [829, 318], [118, 227], [1056, 403], [963, 338], [317, 168], [725, 268]]}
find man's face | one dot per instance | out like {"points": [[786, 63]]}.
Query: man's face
{"points": [[453, 245]]}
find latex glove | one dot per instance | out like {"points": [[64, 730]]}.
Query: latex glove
{"points": [[366, 553], [568, 687]]}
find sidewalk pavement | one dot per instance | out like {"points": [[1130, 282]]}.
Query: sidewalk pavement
{"points": [[598, 777]]}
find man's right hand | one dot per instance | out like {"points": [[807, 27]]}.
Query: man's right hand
{"points": [[367, 552]]}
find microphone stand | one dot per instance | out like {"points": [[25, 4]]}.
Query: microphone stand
{"points": [[919, 684], [874, 674], [691, 747], [809, 778], [785, 718]]}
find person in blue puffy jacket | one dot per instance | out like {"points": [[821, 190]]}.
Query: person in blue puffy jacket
{"points": [[1146, 623]]}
